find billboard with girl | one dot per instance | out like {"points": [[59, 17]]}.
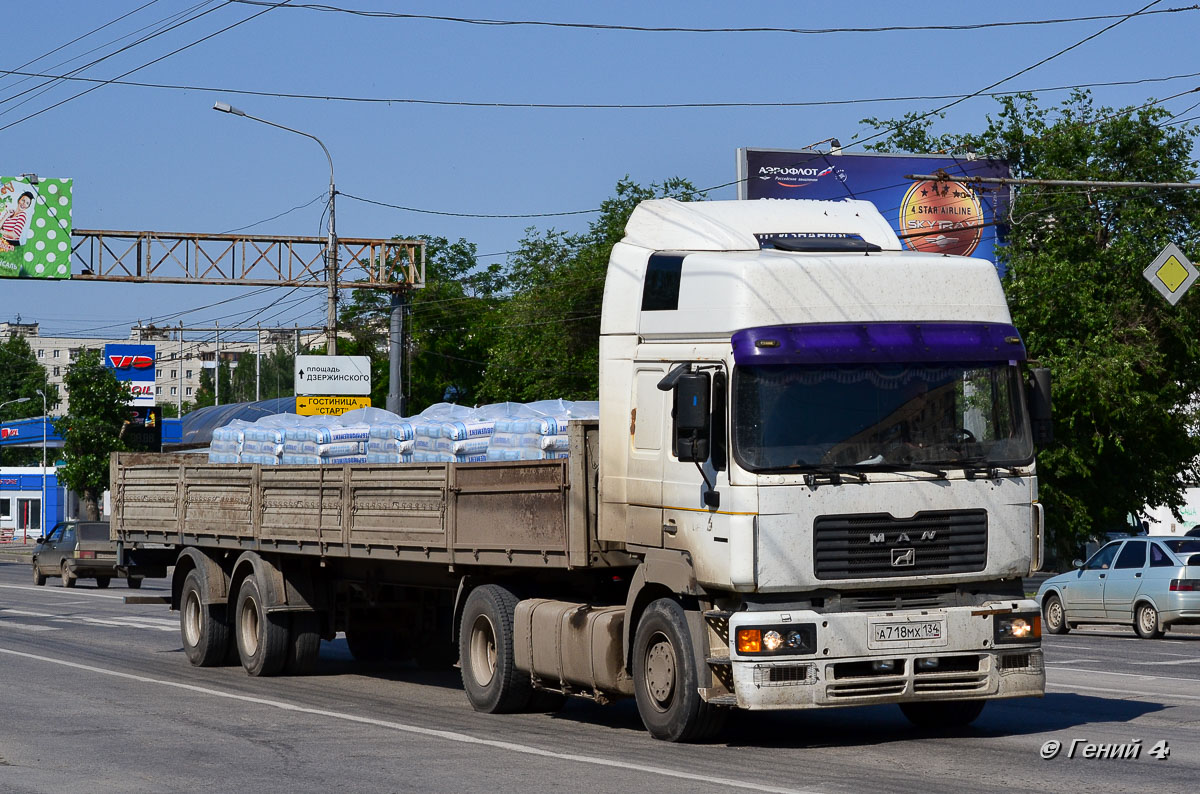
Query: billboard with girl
{"points": [[35, 227]]}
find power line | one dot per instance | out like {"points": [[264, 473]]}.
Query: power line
{"points": [[464, 214], [583, 105], [85, 35], [1001, 81], [318, 197], [646, 29], [149, 63]]}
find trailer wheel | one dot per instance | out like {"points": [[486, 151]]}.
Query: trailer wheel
{"points": [[102, 581], [665, 679], [262, 637], [68, 578], [205, 636], [935, 715], [485, 644], [304, 646], [133, 582]]}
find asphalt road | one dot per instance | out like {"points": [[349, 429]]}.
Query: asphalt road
{"points": [[97, 696]]}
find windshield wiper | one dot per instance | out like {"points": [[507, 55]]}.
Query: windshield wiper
{"points": [[832, 472], [912, 465]]}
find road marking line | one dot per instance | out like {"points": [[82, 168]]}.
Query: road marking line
{"points": [[26, 613], [58, 591], [1142, 676], [112, 623], [1171, 661], [1073, 661], [28, 626], [1124, 693], [434, 733]]}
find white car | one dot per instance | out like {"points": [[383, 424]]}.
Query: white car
{"points": [[1150, 583]]}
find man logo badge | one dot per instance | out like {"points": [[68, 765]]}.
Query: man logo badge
{"points": [[902, 558]]}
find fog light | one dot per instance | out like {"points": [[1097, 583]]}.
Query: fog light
{"points": [[884, 665], [927, 664], [749, 640]]}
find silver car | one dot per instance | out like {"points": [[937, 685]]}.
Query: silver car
{"points": [[1150, 583]]}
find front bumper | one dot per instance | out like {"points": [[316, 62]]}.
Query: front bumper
{"points": [[964, 662]]}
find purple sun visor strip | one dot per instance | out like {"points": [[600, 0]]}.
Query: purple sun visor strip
{"points": [[864, 343]]}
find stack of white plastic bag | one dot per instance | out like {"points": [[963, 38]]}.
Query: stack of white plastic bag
{"points": [[226, 444], [442, 433], [325, 440], [541, 433]]}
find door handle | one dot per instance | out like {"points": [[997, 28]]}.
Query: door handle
{"points": [[1102, 576], [1137, 576]]}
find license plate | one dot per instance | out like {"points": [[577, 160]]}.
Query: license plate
{"points": [[907, 631]]}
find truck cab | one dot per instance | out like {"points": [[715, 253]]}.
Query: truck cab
{"points": [[833, 435]]}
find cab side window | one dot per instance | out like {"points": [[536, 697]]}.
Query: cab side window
{"points": [[1159, 557], [1133, 555], [1102, 560]]}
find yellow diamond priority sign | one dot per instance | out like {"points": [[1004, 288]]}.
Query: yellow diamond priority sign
{"points": [[1171, 273]]}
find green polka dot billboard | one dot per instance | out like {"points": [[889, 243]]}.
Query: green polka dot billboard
{"points": [[35, 227]]}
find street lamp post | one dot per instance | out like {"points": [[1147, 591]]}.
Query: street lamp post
{"points": [[331, 260], [43, 526]]}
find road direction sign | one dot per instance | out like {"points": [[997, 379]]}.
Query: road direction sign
{"points": [[324, 375], [1171, 273]]}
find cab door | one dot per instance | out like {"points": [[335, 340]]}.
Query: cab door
{"points": [[50, 554], [1085, 596], [644, 483], [1124, 581]]}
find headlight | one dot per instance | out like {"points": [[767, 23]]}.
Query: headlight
{"points": [[778, 640], [1018, 628]]}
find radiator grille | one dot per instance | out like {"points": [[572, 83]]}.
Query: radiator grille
{"points": [[870, 545]]}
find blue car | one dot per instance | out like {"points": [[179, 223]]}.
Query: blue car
{"points": [[1150, 583]]}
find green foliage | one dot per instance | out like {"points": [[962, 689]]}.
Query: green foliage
{"points": [[21, 376], [91, 430], [548, 333], [1126, 364], [239, 384]]}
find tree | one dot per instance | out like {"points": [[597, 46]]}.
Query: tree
{"points": [[548, 334], [91, 430], [1126, 364], [20, 377]]}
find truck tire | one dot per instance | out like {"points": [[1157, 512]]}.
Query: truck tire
{"points": [[937, 715], [1054, 617], [102, 581], [205, 636], [493, 683], [68, 578], [304, 646], [665, 679], [133, 582], [39, 578], [262, 637]]}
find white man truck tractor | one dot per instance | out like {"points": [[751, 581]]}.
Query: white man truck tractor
{"points": [[812, 484]]}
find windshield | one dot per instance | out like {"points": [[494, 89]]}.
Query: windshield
{"points": [[881, 416]]}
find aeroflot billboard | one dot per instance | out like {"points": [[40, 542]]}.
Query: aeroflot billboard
{"points": [[938, 216], [134, 364]]}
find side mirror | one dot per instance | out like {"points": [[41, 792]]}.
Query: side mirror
{"points": [[1077, 563], [41, 539], [1040, 413], [691, 416]]}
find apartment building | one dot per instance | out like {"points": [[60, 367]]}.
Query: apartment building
{"points": [[179, 359]]}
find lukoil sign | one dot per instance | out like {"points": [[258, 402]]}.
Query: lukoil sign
{"points": [[135, 365]]}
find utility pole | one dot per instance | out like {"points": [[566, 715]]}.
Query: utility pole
{"points": [[179, 372], [395, 398], [257, 365], [217, 369]]}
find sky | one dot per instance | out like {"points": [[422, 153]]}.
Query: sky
{"points": [[161, 159]]}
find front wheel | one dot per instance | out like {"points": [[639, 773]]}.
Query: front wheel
{"points": [[1054, 617], [39, 578], [665, 678], [1145, 622], [944, 714]]}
